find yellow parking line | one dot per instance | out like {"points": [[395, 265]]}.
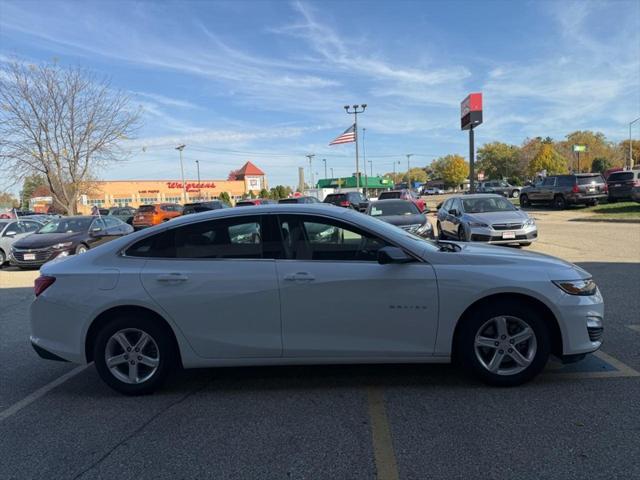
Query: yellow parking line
{"points": [[621, 369], [383, 452]]}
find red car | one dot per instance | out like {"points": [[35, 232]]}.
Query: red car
{"points": [[254, 201], [405, 194]]}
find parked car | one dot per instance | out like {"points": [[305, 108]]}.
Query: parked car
{"points": [[66, 236], [12, 231], [561, 191], [486, 218], [635, 193], [123, 213], [150, 215], [299, 200], [252, 202], [501, 187], [621, 184], [432, 191], [403, 214], [137, 306], [405, 194], [353, 200], [199, 207], [16, 214]]}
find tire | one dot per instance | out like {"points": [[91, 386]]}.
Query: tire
{"points": [[524, 201], [593, 203], [515, 194], [486, 362], [80, 249], [559, 202], [525, 244], [441, 234], [143, 376], [3, 258], [462, 234]]}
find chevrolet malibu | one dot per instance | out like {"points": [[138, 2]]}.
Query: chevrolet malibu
{"points": [[306, 284]]}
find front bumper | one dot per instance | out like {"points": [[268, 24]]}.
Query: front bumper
{"points": [[581, 320], [497, 237], [19, 258]]}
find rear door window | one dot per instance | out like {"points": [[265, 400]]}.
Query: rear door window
{"points": [[549, 182], [566, 181]]}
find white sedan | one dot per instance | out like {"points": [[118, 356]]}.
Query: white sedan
{"points": [[308, 284]]}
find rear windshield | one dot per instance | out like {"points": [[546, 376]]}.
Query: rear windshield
{"points": [[590, 179], [290, 200], [245, 204], [340, 197], [384, 195], [146, 208], [620, 176], [401, 207]]}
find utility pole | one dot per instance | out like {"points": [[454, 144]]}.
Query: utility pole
{"points": [[310, 157], [325, 167], [409, 155], [371, 167], [364, 161], [356, 110], [332, 177], [630, 145], [198, 167], [184, 189]]}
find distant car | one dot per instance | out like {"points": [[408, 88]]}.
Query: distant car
{"points": [[404, 194], [198, 207], [66, 236], [123, 213], [299, 200], [353, 200], [560, 191], [635, 193], [487, 218], [252, 202], [432, 191], [16, 213], [621, 184], [501, 187], [13, 230], [150, 215], [403, 214]]}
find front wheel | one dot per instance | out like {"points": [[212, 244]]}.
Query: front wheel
{"points": [[134, 355], [82, 248], [3, 258], [462, 234], [524, 201], [441, 234], [504, 343], [559, 202], [515, 194]]}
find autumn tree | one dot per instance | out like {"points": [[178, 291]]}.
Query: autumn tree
{"points": [[499, 160], [548, 160], [451, 169], [233, 175], [61, 123], [30, 184], [623, 152], [8, 201], [415, 175], [597, 147]]}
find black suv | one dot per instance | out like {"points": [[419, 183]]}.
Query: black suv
{"points": [[501, 187], [621, 184], [203, 206], [354, 200], [561, 191]]}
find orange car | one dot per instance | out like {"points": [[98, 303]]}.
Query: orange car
{"points": [[150, 215]]}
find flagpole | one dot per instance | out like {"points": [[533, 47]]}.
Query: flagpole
{"points": [[355, 113]]}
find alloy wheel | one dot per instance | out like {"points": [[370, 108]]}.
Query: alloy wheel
{"points": [[505, 345], [515, 194], [81, 249], [132, 355]]}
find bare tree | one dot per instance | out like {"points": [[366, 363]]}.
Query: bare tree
{"points": [[62, 123]]}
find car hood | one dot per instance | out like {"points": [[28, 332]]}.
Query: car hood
{"points": [[43, 240], [403, 219], [489, 218]]}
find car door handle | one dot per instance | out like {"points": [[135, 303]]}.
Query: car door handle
{"points": [[299, 277], [172, 278]]}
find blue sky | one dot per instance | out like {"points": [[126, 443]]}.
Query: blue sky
{"points": [[266, 81]]}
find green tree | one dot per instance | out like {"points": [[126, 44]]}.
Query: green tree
{"points": [[415, 175], [451, 169], [264, 193], [280, 191], [29, 186], [547, 159], [251, 194], [224, 196], [599, 165], [499, 160]]}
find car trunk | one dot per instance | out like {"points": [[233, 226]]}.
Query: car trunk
{"points": [[144, 215], [590, 185]]}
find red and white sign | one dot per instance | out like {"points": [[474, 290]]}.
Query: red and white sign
{"points": [[190, 187], [473, 103]]}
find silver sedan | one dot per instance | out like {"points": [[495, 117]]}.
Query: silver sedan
{"points": [[485, 218]]}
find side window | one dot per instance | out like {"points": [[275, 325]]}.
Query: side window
{"points": [[111, 222], [318, 238], [30, 226], [14, 227], [447, 205], [456, 204], [565, 181], [98, 223], [549, 182]]}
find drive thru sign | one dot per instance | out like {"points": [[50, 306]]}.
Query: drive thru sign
{"points": [[471, 111]]}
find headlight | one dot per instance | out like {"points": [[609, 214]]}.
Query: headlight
{"points": [[577, 287], [425, 228], [58, 246], [478, 224], [530, 222]]}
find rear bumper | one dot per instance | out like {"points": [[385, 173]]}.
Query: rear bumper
{"points": [[46, 354], [582, 199]]}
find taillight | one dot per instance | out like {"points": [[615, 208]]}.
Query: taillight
{"points": [[575, 189], [42, 283], [606, 188], [344, 204], [636, 183]]}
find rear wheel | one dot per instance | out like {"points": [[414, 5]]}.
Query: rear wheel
{"points": [[515, 194], [3, 258], [134, 355], [593, 203], [524, 201], [504, 343], [82, 248], [462, 234], [559, 202]]}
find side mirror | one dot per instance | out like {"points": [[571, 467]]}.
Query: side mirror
{"points": [[439, 206], [453, 212], [393, 255], [10, 233], [96, 231]]}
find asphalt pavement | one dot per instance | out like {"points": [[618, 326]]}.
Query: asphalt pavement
{"points": [[338, 422]]}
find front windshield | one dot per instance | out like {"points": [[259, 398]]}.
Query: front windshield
{"points": [[489, 204], [67, 225], [384, 209]]}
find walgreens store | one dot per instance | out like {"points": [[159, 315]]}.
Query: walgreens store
{"points": [[133, 193]]}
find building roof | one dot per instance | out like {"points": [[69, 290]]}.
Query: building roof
{"points": [[350, 182], [249, 169]]}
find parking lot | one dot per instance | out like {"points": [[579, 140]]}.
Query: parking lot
{"points": [[60, 421]]}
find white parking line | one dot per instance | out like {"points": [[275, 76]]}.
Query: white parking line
{"points": [[32, 397], [634, 327]]}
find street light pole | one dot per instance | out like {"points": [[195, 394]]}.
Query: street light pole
{"points": [[198, 167], [371, 167], [409, 155], [332, 177], [356, 110], [310, 157], [630, 144], [184, 190], [325, 167]]}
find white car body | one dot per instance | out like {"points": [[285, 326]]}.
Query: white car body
{"points": [[227, 312]]}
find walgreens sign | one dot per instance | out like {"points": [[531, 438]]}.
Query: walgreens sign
{"points": [[189, 187]]}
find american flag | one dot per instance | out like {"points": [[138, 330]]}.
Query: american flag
{"points": [[348, 136]]}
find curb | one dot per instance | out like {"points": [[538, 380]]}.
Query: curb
{"points": [[605, 220]]}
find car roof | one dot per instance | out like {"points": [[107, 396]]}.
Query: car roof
{"points": [[387, 201], [476, 195]]}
